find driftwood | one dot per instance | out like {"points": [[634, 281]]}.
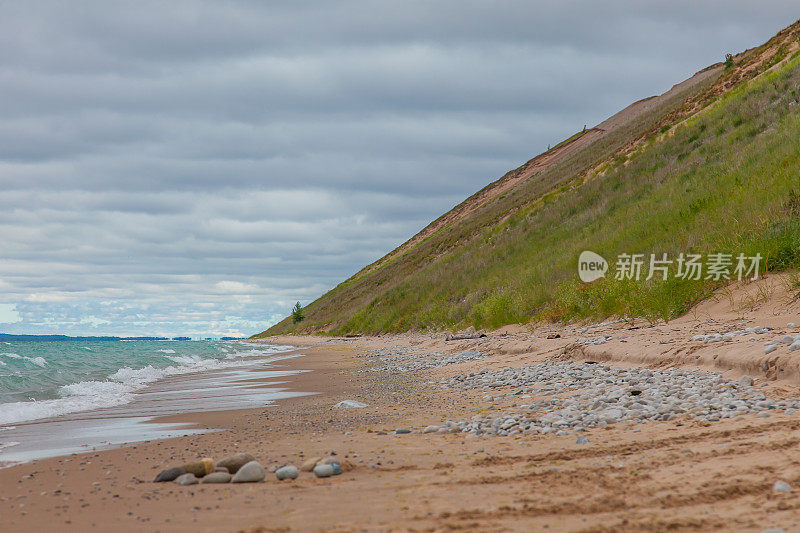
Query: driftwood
{"points": [[465, 337]]}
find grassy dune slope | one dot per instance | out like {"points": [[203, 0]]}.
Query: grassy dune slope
{"points": [[714, 167]]}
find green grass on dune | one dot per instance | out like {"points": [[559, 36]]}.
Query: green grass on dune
{"points": [[726, 180]]}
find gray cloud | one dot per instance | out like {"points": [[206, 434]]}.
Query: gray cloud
{"points": [[192, 168]]}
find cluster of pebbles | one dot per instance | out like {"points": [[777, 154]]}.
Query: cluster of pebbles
{"points": [[403, 359], [730, 336], [243, 468], [791, 341], [573, 396], [594, 341]]}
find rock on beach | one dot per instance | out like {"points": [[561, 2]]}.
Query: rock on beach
{"points": [[287, 472], [217, 477], [252, 472], [309, 464], [323, 470], [201, 467], [170, 474], [235, 462], [187, 479]]}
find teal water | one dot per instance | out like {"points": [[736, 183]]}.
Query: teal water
{"points": [[46, 379]]}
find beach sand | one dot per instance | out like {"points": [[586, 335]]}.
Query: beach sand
{"points": [[678, 475]]}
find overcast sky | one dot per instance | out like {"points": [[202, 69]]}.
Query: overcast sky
{"points": [[197, 167]]}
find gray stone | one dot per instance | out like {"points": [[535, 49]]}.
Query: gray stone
{"points": [[217, 477], [746, 381], [252, 472], [187, 479], [287, 472], [402, 431], [431, 429], [781, 486], [769, 349], [323, 470], [170, 474], [235, 462], [337, 469], [581, 440]]}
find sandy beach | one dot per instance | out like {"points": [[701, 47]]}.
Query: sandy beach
{"points": [[681, 474]]}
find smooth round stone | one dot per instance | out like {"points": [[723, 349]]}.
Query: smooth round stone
{"points": [[323, 470], [218, 477], [187, 479], [201, 467], [337, 469], [233, 463], [309, 464], [287, 472], [402, 431], [170, 474], [781, 486], [252, 472], [431, 429]]}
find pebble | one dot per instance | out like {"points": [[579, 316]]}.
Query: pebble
{"points": [[781, 486], [201, 467], [309, 464], [337, 468], [233, 463], [402, 431], [287, 472], [170, 474], [323, 470], [769, 349], [218, 477], [187, 479], [252, 472], [581, 440]]}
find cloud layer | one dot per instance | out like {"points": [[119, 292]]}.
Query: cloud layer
{"points": [[196, 168]]}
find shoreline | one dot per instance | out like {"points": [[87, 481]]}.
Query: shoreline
{"points": [[690, 472], [147, 415]]}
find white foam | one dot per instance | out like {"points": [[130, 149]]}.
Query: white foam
{"points": [[120, 387], [167, 351], [11, 355]]}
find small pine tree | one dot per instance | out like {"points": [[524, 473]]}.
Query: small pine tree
{"points": [[297, 313], [728, 61]]}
